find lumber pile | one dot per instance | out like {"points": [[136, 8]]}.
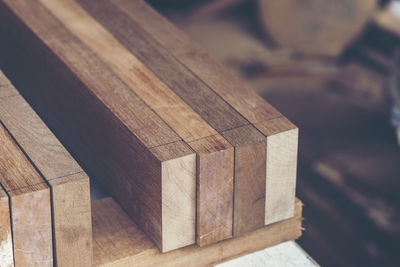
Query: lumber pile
{"points": [[191, 154], [48, 192]]}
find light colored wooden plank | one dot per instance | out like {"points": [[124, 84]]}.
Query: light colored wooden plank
{"points": [[6, 246], [6, 88], [68, 183], [106, 125], [280, 188], [30, 206], [119, 242]]}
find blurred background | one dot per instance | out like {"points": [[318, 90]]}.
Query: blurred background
{"points": [[333, 68]]}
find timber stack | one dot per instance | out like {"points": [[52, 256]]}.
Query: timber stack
{"points": [[195, 161]]}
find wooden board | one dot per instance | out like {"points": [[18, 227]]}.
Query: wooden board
{"points": [[215, 189], [6, 246], [69, 185], [29, 203], [112, 132], [212, 108], [119, 242], [246, 101], [315, 27]]}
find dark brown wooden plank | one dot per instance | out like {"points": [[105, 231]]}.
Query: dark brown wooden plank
{"points": [[215, 160], [109, 129], [250, 178]]}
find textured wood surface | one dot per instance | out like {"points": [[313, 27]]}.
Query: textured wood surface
{"points": [[6, 247], [112, 132], [239, 96], [69, 185], [30, 205], [215, 162], [179, 116], [119, 242], [211, 107], [250, 179]]}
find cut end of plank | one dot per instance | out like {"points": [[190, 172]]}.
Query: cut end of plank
{"points": [[31, 221], [281, 176], [215, 163], [178, 202], [250, 174]]}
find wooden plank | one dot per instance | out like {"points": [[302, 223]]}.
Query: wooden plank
{"points": [[249, 198], [179, 116], [119, 242], [6, 246], [69, 185], [215, 170], [112, 132], [282, 143], [30, 205], [242, 98], [201, 98]]}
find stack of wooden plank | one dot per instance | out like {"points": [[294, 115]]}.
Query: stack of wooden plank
{"points": [[189, 152]]}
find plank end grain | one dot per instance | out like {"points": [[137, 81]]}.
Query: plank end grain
{"points": [[178, 186], [282, 146], [71, 214], [250, 178], [31, 226], [6, 246], [215, 165]]}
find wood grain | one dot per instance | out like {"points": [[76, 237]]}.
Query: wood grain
{"points": [[192, 90], [241, 97], [112, 132], [69, 185], [119, 242], [30, 206], [179, 116], [250, 179], [281, 168], [6, 246], [215, 161]]}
